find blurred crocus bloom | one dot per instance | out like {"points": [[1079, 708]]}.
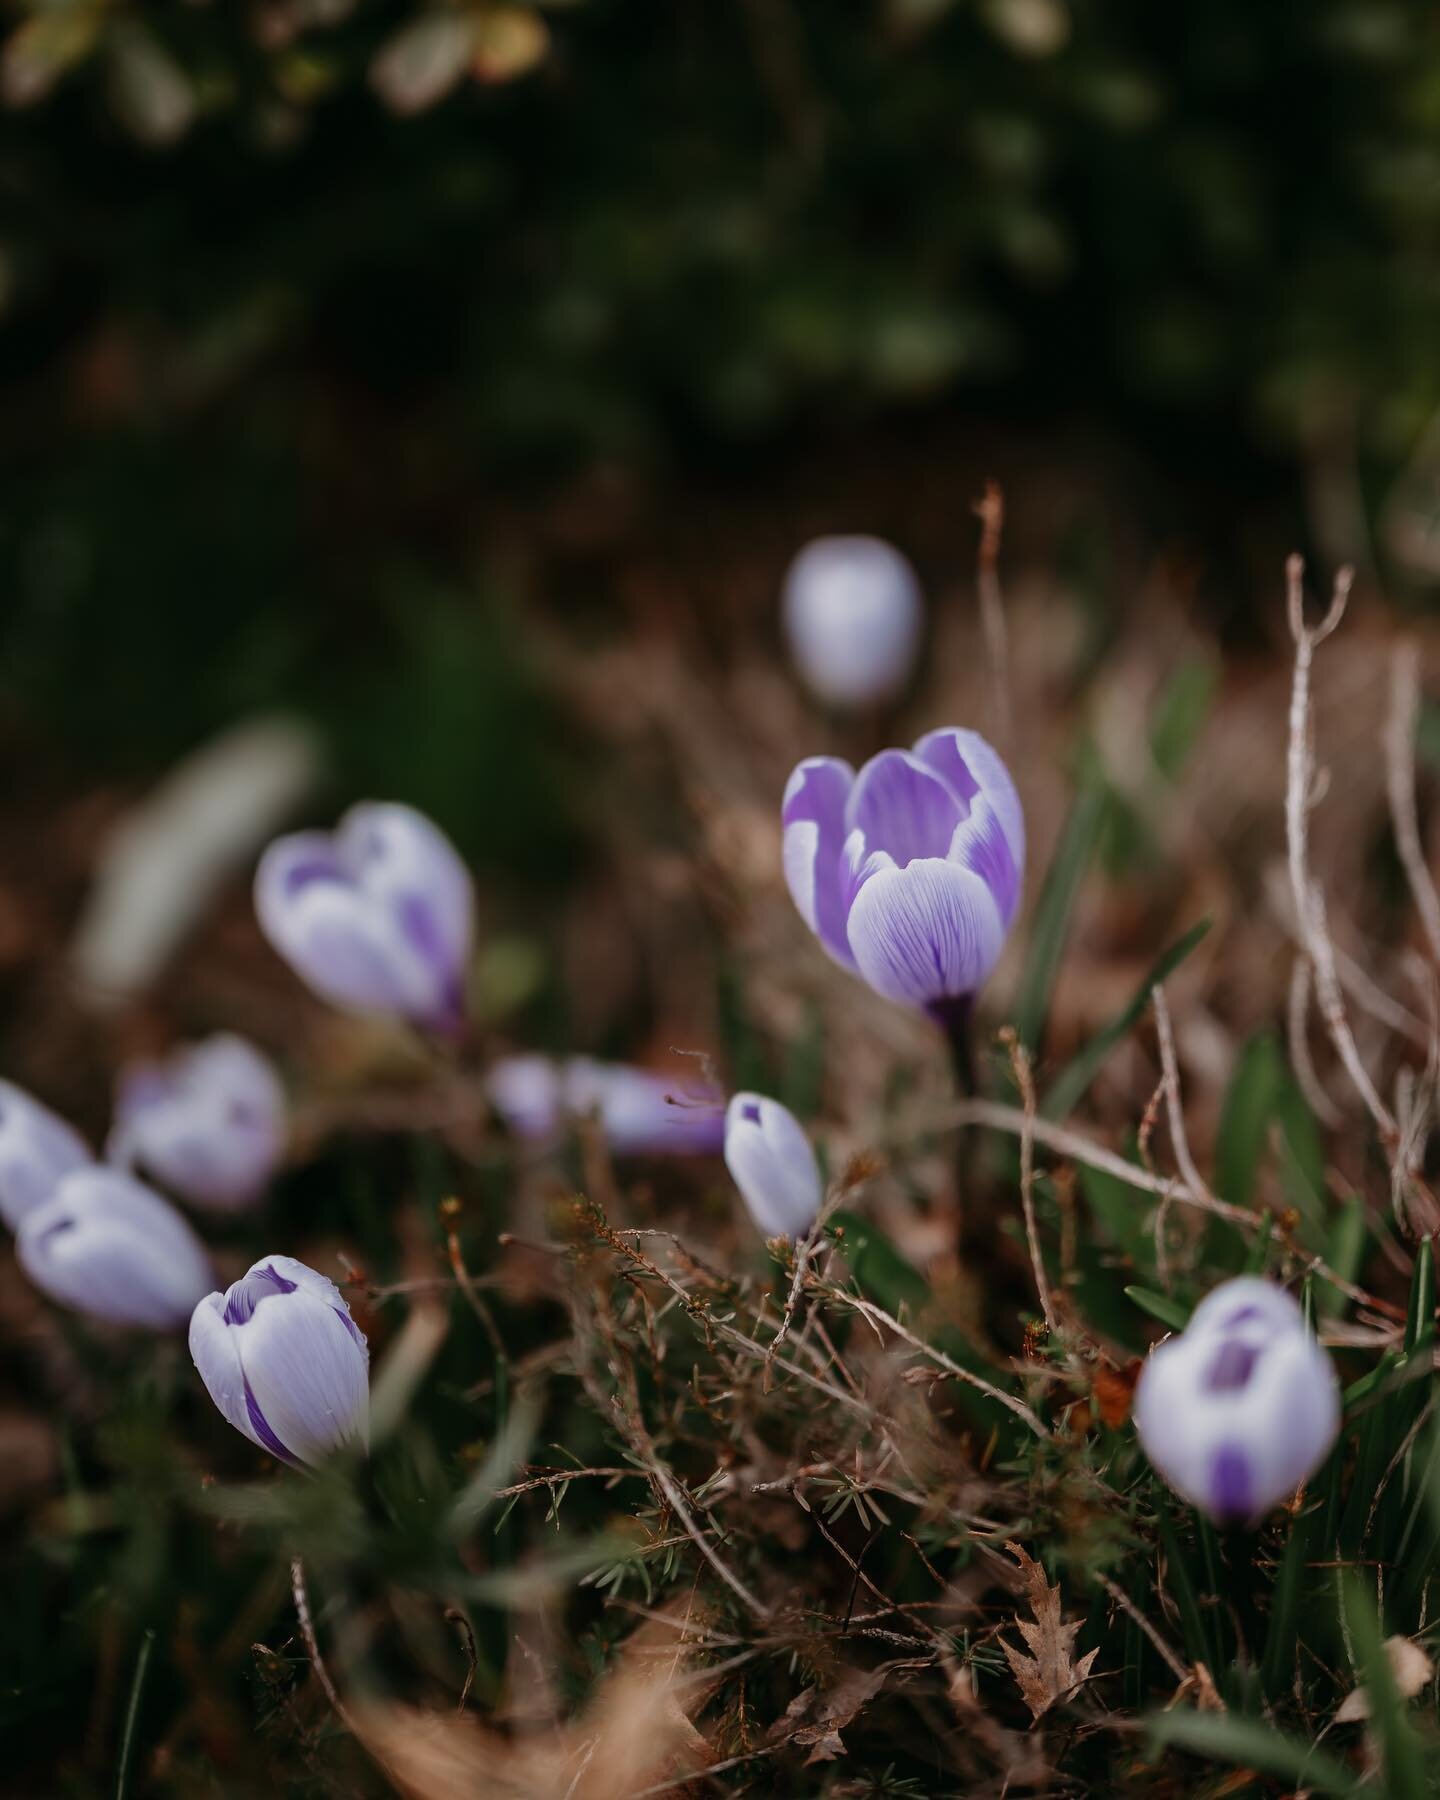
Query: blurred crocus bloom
{"points": [[853, 617], [1242, 1406], [771, 1162], [284, 1361], [641, 1113], [104, 1244], [909, 872], [36, 1148], [208, 1123], [377, 916]]}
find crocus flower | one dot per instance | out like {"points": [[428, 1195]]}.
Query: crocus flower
{"points": [[641, 1113], [377, 916], [853, 617], [1242, 1406], [104, 1244], [910, 872], [771, 1162], [37, 1147], [284, 1361], [208, 1123]]}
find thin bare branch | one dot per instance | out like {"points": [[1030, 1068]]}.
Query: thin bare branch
{"points": [[1025, 1081]]}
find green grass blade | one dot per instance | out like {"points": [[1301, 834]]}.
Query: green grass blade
{"points": [[1070, 1085], [132, 1713], [1249, 1744], [1160, 1306], [1400, 1748], [1078, 843]]}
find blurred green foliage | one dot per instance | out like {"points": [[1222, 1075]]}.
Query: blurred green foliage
{"points": [[282, 285]]}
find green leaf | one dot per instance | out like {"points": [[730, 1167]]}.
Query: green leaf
{"points": [[1078, 843], [881, 1272], [1344, 1252], [1180, 715], [1161, 1307], [1246, 1743], [1073, 1080], [1400, 1748]]}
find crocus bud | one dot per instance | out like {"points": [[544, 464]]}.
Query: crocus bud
{"points": [[641, 1113], [377, 916], [853, 617], [104, 1244], [1242, 1406], [208, 1123], [36, 1148], [909, 873], [771, 1162], [284, 1361]]}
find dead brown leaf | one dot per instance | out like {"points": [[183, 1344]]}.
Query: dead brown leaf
{"points": [[1113, 1390], [1051, 1673]]}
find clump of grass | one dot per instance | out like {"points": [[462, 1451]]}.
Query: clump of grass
{"points": [[653, 1509]]}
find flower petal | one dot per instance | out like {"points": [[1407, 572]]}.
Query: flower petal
{"points": [[215, 1351], [853, 615], [813, 816], [306, 1373], [37, 1148], [972, 766], [980, 844], [772, 1163], [106, 1245], [903, 808], [925, 933]]}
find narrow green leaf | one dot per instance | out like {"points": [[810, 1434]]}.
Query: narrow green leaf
{"points": [[1400, 1748], [1078, 843], [1246, 1743], [132, 1713], [1420, 1318], [1344, 1252], [1073, 1080], [1161, 1307], [881, 1272]]}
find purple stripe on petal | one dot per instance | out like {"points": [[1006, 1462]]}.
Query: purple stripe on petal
{"points": [[1231, 1367], [262, 1427], [1232, 1485], [972, 766], [903, 808], [305, 873], [247, 1293], [980, 844]]}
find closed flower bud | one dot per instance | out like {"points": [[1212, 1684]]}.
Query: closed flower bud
{"points": [[853, 616], [376, 917], [208, 1123], [910, 872], [284, 1361], [641, 1113], [105, 1245], [1242, 1406], [36, 1149], [771, 1162]]}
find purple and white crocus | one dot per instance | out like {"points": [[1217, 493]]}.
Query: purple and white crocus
{"points": [[1242, 1406], [641, 1112], [104, 1244], [853, 616], [772, 1163], [208, 1122], [284, 1361], [910, 872], [37, 1147], [377, 916]]}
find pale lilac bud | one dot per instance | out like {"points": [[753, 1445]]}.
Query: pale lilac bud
{"points": [[1242, 1406], [284, 1361], [910, 872], [104, 1244], [853, 616], [208, 1123], [376, 916], [771, 1162], [37, 1147], [642, 1113]]}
